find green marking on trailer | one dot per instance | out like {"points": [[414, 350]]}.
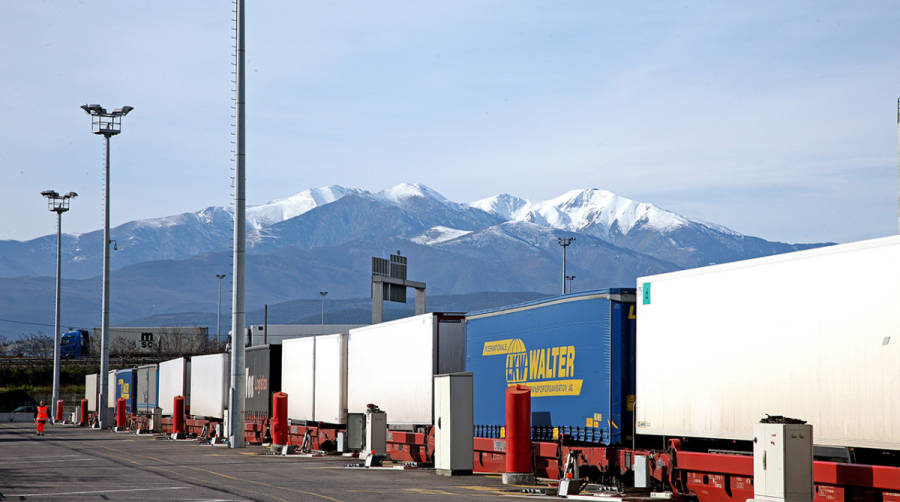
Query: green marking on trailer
{"points": [[646, 290]]}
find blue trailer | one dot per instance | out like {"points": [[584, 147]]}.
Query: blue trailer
{"points": [[575, 352], [126, 386]]}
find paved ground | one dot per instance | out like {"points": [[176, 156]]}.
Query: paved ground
{"points": [[79, 464]]}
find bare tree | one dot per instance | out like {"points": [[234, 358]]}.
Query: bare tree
{"points": [[38, 344]]}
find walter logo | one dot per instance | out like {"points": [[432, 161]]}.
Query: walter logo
{"points": [[548, 371], [516, 362]]}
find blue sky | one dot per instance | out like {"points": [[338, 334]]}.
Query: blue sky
{"points": [[774, 119]]}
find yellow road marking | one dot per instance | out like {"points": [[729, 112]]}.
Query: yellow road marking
{"points": [[428, 491]]}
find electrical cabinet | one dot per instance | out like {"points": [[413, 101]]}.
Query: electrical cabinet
{"points": [[356, 431], [376, 431], [782, 463], [453, 424]]}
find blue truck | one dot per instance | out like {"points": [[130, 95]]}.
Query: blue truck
{"points": [[74, 344], [575, 352]]}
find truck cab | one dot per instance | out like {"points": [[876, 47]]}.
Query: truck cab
{"points": [[74, 344]]}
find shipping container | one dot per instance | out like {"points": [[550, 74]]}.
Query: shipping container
{"points": [[91, 391], [275, 334], [810, 335], [126, 386], [160, 340], [576, 354], [147, 388], [263, 363], [392, 364], [210, 381], [174, 380], [314, 375]]}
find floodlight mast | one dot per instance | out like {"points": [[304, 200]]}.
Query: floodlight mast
{"points": [[58, 204], [238, 314], [107, 124]]}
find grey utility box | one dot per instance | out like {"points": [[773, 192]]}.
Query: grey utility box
{"points": [[356, 431], [782, 463], [376, 431], [453, 429]]}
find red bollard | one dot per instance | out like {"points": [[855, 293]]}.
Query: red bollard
{"points": [[519, 468], [59, 411], [120, 413], [178, 415], [83, 415], [279, 419]]}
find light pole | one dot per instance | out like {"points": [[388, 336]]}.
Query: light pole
{"points": [[570, 280], [239, 251], [219, 312], [107, 124], [58, 204], [323, 293], [564, 242]]}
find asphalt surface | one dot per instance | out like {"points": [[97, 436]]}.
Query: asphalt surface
{"points": [[71, 463]]}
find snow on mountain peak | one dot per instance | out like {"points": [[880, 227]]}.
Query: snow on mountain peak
{"points": [[593, 210], [580, 209], [404, 191], [284, 209], [438, 234], [503, 205]]}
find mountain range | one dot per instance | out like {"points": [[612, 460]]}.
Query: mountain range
{"points": [[324, 238]]}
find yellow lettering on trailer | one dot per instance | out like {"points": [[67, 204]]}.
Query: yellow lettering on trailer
{"points": [[548, 371]]}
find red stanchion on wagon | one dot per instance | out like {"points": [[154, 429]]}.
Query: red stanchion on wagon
{"points": [[279, 419], [519, 466], [120, 413], [83, 412], [178, 417]]}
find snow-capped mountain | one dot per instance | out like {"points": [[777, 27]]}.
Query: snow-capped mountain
{"points": [[592, 211], [336, 215]]}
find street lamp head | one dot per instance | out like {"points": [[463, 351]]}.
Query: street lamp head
{"points": [[56, 202], [323, 293], [220, 276], [106, 123], [94, 109]]}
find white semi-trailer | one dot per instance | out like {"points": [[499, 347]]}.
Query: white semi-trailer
{"points": [[210, 379], [174, 380], [314, 376], [813, 335], [392, 364]]}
